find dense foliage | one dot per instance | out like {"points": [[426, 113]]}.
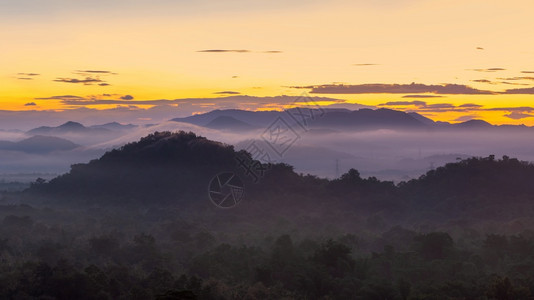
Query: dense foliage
{"points": [[137, 224]]}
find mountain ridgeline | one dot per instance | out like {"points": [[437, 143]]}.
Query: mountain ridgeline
{"points": [[167, 168], [337, 119]]}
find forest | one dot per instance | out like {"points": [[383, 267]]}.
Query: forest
{"points": [[137, 224]]}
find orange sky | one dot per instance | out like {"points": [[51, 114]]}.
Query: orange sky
{"points": [[153, 50]]}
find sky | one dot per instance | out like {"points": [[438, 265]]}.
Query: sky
{"points": [[448, 60]]}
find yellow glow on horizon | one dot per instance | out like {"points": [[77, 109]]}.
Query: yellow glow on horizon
{"points": [[352, 42]]}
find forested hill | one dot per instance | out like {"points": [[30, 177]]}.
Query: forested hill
{"points": [[175, 168], [159, 168]]}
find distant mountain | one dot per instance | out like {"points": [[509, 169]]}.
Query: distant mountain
{"points": [[421, 118], [331, 120], [66, 128], [474, 124], [39, 144], [254, 118], [229, 123], [114, 126], [364, 119]]}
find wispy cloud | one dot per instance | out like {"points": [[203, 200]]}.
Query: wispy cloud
{"points": [[224, 51], [480, 48], [422, 96], [127, 97], [380, 88], [467, 118], [90, 77], [488, 70], [26, 76], [422, 106], [403, 103], [515, 115], [238, 51], [30, 104], [95, 72], [512, 83], [517, 78], [364, 65], [525, 91], [85, 81], [470, 105], [227, 93], [499, 82], [484, 81], [62, 98]]}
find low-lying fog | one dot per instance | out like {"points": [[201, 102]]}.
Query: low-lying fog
{"points": [[386, 154]]}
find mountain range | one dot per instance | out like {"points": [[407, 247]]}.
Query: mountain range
{"points": [[333, 119], [39, 144]]}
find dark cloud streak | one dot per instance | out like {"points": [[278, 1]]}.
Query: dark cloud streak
{"points": [[86, 81], [227, 93], [380, 88]]}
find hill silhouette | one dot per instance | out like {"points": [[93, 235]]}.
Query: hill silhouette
{"points": [[39, 144], [167, 168], [68, 127], [161, 168]]}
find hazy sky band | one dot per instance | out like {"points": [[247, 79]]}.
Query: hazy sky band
{"points": [[201, 49]]}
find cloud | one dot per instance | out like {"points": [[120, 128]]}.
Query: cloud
{"points": [[238, 51], [488, 70], [517, 78], [527, 72], [86, 81], [28, 74], [515, 115], [423, 106], [127, 97], [440, 106], [380, 88], [483, 81], [24, 78], [480, 48], [95, 72], [466, 118], [191, 104], [499, 82], [224, 51], [403, 103], [364, 65], [512, 83], [470, 105], [104, 84], [227, 93], [62, 98], [512, 109], [421, 96], [30, 104], [525, 91]]}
